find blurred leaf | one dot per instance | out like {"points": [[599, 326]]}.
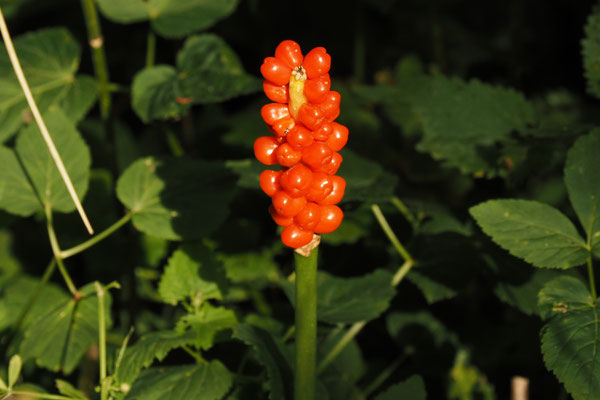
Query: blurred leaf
{"points": [[467, 381], [591, 51], [169, 18], [176, 198], [244, 127], [39, 165], [434, 218], [419, 329], [14, 370], [247, 267], [411, 389], [248, 170], [536, 232], [367, 180], [349, 300], [207, 71], [9, 265], [155, 249], [206, 324], [50, 59], [69, 390], [16, 194], [280, 374], [342, 374], [58, 339], [570, 337], [200, 382], [582, 177], [192, 272], [348, 233]]}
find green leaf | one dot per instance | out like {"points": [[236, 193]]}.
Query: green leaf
{"points": [[342, 374], [591, 51], [69, 390], [280, 374], [206, 324], [3, 385], [535, 232], [419, 329], [349, 300], [58, 339], [39, 165], [14, 370], [155, 249], [248, 267], [411, 389], [248, 170], [169, 18], [50, 59], [582, 177], [570, 337], [16, 194], [176, 198], [369, 181], [192, 272], [199, 382], [208, 71]]}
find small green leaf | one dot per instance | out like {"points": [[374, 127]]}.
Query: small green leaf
{"points": [[582, 177], [176, 198], [208, 71], [14, 370], [280, 374], [40, 167], [58, 339], [247, 267], [535, 232], [69, 390], [192, 272], [411, 389], [570, 338], [169, 18], [199, 382], [3, 385], [206, 324], [591, 51], [155, 249], [369, 181], [419, 328], [16, 194]]}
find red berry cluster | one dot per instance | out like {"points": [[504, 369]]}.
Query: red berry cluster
{"points": [[305, 142]]}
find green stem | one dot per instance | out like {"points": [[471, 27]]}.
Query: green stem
{"points": [[150, 49], [347, 338], [306, 325], [102, 341], [199, 359], [590, 265], [174, 144], [96, 42], [34, 296], [57, 252], [383, 376], [39, 395], [92, 241], [402, 271], [390, 233], [405, 212]]}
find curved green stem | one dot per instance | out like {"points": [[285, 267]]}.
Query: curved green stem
{"points": [[390, 233], [92, 241], [590, 265], [306, 325], [400, 206], [96, 43], [347, 338], [57, 252]]}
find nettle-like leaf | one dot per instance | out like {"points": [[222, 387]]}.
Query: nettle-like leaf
{"points": [[533, 231], [411, 389], [50, 59], [570, 339], [176, 198], [349, 300], [268, 353], [248, 267], [41, 170], [58, 339], [192, 272], [206, 324], [591, 51], [370, 182], [169, 18], [582, 177], [200, 382], [208, 71]]}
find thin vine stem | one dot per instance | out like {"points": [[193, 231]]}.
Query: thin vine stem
{"points": [[390, 233], [34, 296], [590, 268], [56, 251], [306, 325], [383, 376], [410, 217], [99, 237]]}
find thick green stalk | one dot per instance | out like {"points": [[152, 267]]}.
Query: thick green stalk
{"points": [[102, 341], [306, 325], [92, 241], [96, 43]]}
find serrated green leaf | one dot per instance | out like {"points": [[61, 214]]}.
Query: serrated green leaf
{"points": [[50, 59], [349, 300], [570, 338], [535, 232], [200, 382], [206, 324], [40, 167], [69, 390], [192, 272], [280, 374], [58, 339], [247, 267], [369, 181], [411, 389], [591, 51], [176, 198], [582, 177], [208, 71], [169, 18], [14, 370]]}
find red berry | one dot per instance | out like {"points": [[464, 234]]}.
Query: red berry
{"points": [[316, 90], [331, 218], [264, 149], [320, 187], [323, 133], [283, 126], [316, 155], [330, 107], [273, 112], [299, 137], [293, 236], [275, 92], [332, 165], [317, 62], [280, 219], [296, 180], [289, 52], [287, 156], [311, 116], [309, 216], [338, 138], [276, 71], [287, 205], [269, 181], [339, 187]]}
